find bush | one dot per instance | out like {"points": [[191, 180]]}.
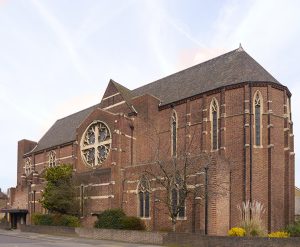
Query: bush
{"points": [[42, 219], [132, 223], [117, 219], [251, 218], [294, 229], [65, 220], [55, 220], [237, 232], [3, 220], [279, 235], [110, 219]]}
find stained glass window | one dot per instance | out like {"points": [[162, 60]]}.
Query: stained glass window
{"points": [[214, 124], [174, 133], [257, 118], [28, 166], [178, 197], [95, 144], [52, 159], [144, 197]]}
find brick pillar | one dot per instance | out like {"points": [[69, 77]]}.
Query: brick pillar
{"points": [[246, 171], [270, 150], [222, 124]]}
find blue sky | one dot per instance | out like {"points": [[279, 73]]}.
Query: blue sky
{"points": [[57, 56]]}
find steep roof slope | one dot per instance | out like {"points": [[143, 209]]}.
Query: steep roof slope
{"points": [[63, 130], [228, 69]]}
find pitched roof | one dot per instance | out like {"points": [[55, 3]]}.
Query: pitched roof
{"points": [[126, 93], [228, 69], [63, 130]]}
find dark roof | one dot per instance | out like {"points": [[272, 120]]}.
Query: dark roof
{"points": [[228, 69], [126, 93], [225, 70], [14, 210], [63, 130]]}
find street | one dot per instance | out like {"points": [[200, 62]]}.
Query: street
{"points": [[22, 239]]}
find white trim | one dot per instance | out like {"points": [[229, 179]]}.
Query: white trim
{"points": [[98, 197], [66, 157], [132, 181], [111, 106], [111, 96]]}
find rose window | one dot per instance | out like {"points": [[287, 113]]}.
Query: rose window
{"points": [[95, 144]]}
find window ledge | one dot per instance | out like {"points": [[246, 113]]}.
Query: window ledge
{"points": [[181, 218], [145, 218]]}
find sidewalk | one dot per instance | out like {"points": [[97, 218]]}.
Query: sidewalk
{"points": [[37, 236]]}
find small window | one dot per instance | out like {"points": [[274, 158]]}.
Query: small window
{"points": [[257, 118], [174, 133], [52, 159], [144, 197], [214, 109], [28, 166]]}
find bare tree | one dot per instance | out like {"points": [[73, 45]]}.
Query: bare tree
{"points": [[190, 173]]}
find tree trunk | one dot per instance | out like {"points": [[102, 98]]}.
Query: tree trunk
{"points": [[174, 225]]}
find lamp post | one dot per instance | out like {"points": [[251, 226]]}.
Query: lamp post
{"points": [[34, 201]]}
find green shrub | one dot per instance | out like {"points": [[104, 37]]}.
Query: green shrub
{"points": [[279, 235], [55, 220], [132, 223], [42, 219], [294, 229], [70, 220], [110, 219], [117, 219], [3, 220], [237, 232]]}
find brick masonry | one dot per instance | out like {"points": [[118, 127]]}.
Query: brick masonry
{"points": [[264, 173], [159, 238]]}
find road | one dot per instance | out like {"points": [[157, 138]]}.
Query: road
{"points": [[22, 239]]}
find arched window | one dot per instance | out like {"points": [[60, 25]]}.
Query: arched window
{"points": [[174, 133], [144, 197], [257, 105], [214, 118], [52, 159], [28, 166], [178, 197]]}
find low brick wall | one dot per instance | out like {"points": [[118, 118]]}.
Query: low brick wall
{"points": [[193, 240], [55, 230], [4, 225], [160, 238], [122, 235]]}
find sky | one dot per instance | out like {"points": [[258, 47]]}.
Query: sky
{"points": [[57, 56]]}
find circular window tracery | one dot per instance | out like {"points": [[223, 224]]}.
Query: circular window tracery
{"points": [[95, 144]]}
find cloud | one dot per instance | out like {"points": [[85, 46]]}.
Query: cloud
{"points": [[62, 36], [97, 17]]}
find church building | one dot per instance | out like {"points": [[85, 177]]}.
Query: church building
{"points": [[229, 111]]}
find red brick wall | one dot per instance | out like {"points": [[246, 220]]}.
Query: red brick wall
{"points": [[266, 176]]}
